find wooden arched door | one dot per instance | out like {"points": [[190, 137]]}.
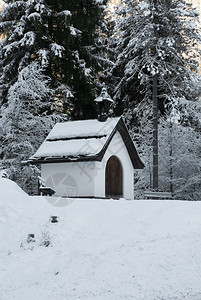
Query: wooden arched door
{"points": [[113, 178]]}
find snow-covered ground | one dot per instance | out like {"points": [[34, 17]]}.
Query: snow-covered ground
{"points": [[101, 249]]}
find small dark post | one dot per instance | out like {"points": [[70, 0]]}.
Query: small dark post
{"points": [[39, 193], [54, 219], [31, 238]]}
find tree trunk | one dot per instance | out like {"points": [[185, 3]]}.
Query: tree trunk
{"points": [[155, 134], [171, 157]]}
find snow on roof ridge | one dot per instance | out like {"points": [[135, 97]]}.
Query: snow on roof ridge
{"points": [[82, 128]]}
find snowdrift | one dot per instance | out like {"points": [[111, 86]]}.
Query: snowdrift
{"points": [[99, 249]]}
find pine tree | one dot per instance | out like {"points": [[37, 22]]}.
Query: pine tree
{"points": [[84, 58], [42, 41], [156, 37], [156, 60], [23, 127], [61, 36], [28, 31]]}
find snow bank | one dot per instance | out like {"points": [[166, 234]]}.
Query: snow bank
{"points": [[101, 249]]}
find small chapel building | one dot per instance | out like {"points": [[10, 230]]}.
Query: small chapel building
{"points": [[90, 158]]}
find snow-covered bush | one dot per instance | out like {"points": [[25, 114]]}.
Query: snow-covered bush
{"points": [[179, 160]]}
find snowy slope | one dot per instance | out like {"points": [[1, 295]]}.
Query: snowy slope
{"points": [[102, 249]]}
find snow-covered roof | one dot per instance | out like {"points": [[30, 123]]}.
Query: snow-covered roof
{"points": [[73, 147], [76, 138], [83, 140], [82, 129]]}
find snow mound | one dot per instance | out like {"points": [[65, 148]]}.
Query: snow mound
{"points": [[10, 189], [9, 192], [99, 249]]}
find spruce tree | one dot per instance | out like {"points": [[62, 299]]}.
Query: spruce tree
{"points": [[28, 26], [155, 38], [61, 36], [23, 127], [156, 61], [83, 61], [41, 41]]}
